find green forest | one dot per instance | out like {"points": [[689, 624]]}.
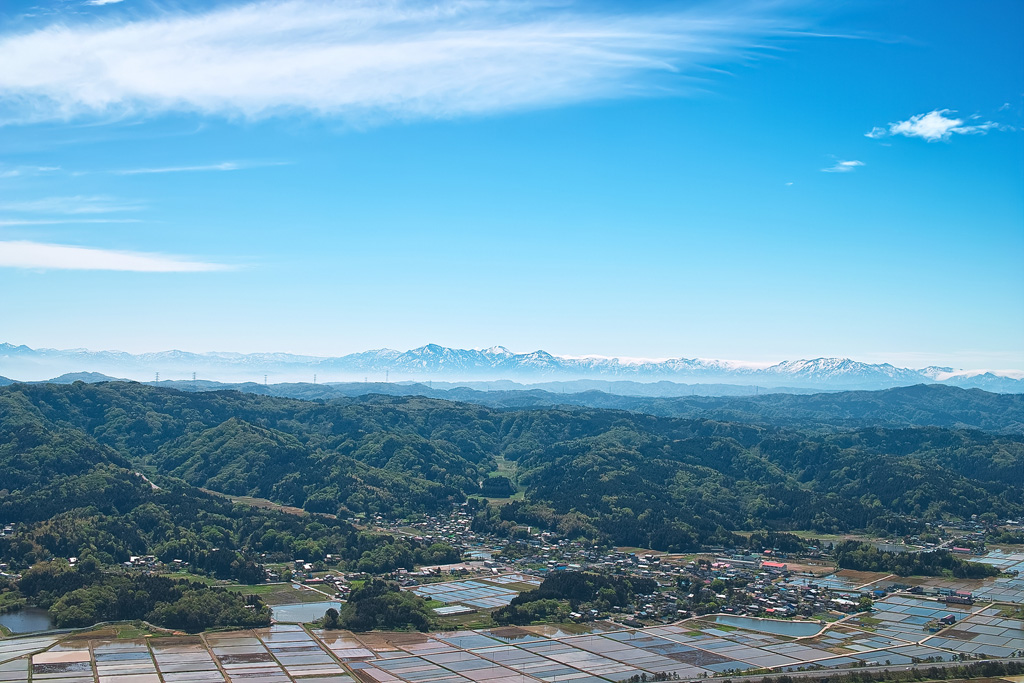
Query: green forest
{"points": [[104, 472], [75, 456], [866, 557], [565, 592], [85, 595], [921, 405], [381, 605]]}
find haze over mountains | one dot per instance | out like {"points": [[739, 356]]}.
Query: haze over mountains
{"points": [[482, 369]]}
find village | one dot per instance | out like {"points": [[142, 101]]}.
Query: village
{"points": [[770, 584], [717, 613]]}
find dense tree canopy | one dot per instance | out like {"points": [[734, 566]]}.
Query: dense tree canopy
{"points": [[382, 605], [866, 557], [565, 591], [71, 453], [83, 596]]}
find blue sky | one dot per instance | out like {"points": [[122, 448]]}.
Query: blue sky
{"points": [[759, 181]]}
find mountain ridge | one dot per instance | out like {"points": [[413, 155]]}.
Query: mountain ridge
{"points": [[583, 472], [433, 361]]}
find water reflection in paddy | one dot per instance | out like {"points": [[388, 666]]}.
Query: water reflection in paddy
{"points": [[27, 620], [796, 629], [302, 612]]}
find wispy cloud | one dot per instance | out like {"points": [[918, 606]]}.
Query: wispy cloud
{"points": [[98, 3], [843, 166], [26, 170], [365, 59], [43, 256], [79, 204], [9, 222], [933, 126], [225, 166]]}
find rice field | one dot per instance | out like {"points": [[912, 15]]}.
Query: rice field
{"points": [[902, 630]]}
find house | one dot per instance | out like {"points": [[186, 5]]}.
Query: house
{"points": [[948, 620], [958, 599], [844, 605]]}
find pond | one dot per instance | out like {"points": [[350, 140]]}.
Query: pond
{"points": [[797, 629], [27, 620], [301, 612]]}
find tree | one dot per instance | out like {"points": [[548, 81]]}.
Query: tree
{"points": [[382, 605]]}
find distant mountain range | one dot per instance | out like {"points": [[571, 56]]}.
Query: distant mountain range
{"points": [[471, 367]]}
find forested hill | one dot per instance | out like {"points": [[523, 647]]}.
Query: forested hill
{"points": [[636, 479], [922, 405], [67, 495]]}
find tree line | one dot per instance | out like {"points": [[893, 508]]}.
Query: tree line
{"points": [[85, 595], [867, 557]]}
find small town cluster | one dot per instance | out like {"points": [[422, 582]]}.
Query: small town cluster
{"points": [[717, 613]]}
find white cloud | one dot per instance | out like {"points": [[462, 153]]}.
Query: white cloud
{"points": [[7, 222], [933, 126], [843, 166], [27, 170], [365, 59], [97, 3], [42, 256], [79, 204], [225, 166]]}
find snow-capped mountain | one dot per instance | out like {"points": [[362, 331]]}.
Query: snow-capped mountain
{"points": [[442, 363], [843, 369]]}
